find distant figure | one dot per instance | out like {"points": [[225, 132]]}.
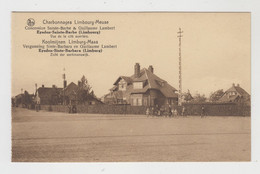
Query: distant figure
{"points": [[38, 102], [183, 111], [70, 108], [170, 111], [202, 111], [147, 111], [37, 107], [152, 111], [159, 111], [74, 109], [175, 112]]}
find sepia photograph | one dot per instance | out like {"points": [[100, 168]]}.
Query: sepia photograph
{"points": [[130, 87]]}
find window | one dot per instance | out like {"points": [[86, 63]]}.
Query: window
{"points": [[134, 102], [122, 85], [232, 93], [138, 85], [137, 102]]}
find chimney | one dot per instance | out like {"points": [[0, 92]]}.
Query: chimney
{"points": [[79, 83], [53, 86], [150, 68], [64, 83], [233, 84], [42, 86], [238, 85], [137, 70]]}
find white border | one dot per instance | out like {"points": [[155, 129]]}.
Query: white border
{"points": [[7, 7]]}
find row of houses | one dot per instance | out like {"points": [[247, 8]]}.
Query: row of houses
{"points": [[68, 95], [143, 88]]}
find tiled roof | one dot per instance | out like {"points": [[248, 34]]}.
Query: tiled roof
{"points": [[48, 92], [136, 91], [240, 93], [118, 94], [71, 89], [127, 79], [151, 81], [113, 88]]}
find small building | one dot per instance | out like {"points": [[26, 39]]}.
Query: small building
{"points": [[23, 100], [187, 97], [143, 88], [19, 100], [69, 93], [235, 94], [49, 95]]}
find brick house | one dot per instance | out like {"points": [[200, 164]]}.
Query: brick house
{"points": [[48, 95], [143, 88]]}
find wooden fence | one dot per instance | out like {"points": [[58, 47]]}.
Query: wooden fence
{"points": [[98, 109], [212, 109], [218, 109]]}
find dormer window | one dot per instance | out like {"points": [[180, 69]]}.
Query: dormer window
{"points": [[122, 85], [138, 85], [161, 83], [232, 93]]}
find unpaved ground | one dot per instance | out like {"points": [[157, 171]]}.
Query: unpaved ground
{"points": [[61, 137]]}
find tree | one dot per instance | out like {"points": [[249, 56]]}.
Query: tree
{"points": [[199, 98], [27, 98], [55, 97], [215, 96], [83, 90]]}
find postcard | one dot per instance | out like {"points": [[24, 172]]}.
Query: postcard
{"points": [[131, 87]]}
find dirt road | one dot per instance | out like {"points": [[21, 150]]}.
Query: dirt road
{"points": [[61, 137]]}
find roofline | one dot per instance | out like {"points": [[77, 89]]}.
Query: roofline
{"points": [[147, 78]]}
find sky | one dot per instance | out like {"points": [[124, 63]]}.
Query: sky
{"points": [[215, 51]]}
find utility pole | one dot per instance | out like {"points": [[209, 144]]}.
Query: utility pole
{"points": [[35, 88], [180, 35]]}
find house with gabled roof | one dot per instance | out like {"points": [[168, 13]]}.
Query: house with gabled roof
{"points": [[143, 88], [235, 94], [48, 95], [70, 94]]}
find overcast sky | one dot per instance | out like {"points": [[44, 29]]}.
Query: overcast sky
{"points": [[215, 51]]}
